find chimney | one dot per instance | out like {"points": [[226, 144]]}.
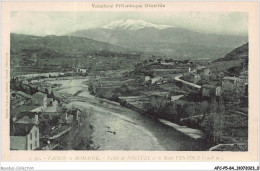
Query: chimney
{"points": [[36, 119]]}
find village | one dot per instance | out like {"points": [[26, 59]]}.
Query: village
{"points": [[184, 92], [39, 118], [190, 93]]}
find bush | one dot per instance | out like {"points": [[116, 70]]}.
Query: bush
{"points": [[54, 120]]}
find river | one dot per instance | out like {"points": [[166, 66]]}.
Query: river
{"points": [[119, 128]]}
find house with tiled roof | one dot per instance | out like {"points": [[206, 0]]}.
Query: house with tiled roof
{"points": [[28, 119]]}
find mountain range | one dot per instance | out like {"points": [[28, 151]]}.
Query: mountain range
{"points": [[55, 46], [162, 39], [68, 43], [125, 36]]}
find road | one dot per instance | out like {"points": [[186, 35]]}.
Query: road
{"points": [[177, 78], [119, 128]]}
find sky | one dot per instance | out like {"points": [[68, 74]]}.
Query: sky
{"points": [[61, 23]]}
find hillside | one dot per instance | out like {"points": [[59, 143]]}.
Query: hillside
{"points": [[30, 54], [61, 44], [148, 37], [238, 53], [233, 63]]}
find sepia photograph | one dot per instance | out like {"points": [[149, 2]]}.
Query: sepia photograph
{"points": [[129, 81]]}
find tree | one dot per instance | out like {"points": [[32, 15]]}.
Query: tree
{"points": [[43, 125], [180, 111], [54, 120], [46, 91], [52, 95], [205, 109]]}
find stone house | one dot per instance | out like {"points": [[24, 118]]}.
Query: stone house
{"points": [[49, 101], [147, 80], [206, 72], [25, 81], [219, 91], [203, 71], [243, 79], [229, 83], [211, 91], [196, 78], [71, 116], [81, 70], [24, 136], [157, 80]]}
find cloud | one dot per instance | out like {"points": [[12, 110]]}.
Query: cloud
{"points": [[60, 23], [36, 23]]}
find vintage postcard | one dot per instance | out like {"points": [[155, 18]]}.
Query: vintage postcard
{"points": [[129, 81]]}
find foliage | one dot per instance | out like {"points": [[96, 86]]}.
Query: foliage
{"points": [[54, 121], [17, 85], [79, 138], [143, 69]]}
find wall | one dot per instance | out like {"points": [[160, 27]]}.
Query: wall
{"points": [[227, 85], [34, 139], [18, 143]]}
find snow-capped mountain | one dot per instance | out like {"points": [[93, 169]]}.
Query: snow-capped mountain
{"points": [[171, 41], [133, 25]]}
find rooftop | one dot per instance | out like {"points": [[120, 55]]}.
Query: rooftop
{"points": [[230, 78], [208, 86], [21, 110], [25, 120], [40, 94], [19, 129]]}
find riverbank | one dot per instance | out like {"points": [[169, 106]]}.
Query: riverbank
{"points": [[119, 128]]}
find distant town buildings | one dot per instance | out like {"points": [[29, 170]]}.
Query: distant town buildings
{"points": [[211, 91], [147, 78], [70, 116], [153, 80], [235, 84], [196, 78], [81, 70], [156, 80], [25, 81], [203, 71], [229, 83]]}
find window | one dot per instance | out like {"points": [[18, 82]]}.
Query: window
{"points": [[30, 136], [35, 134], [35, 143], [31, 147]]}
